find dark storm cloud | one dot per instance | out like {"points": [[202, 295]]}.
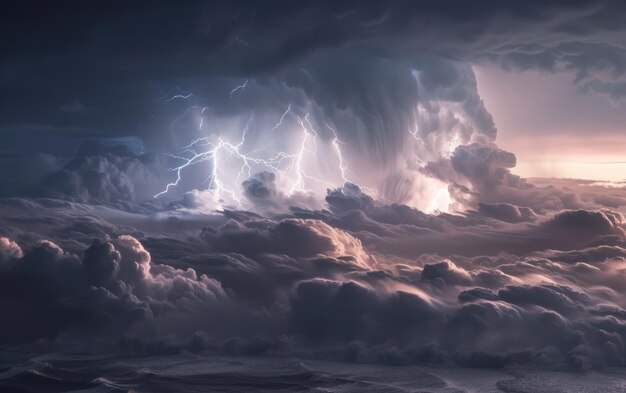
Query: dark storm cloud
{"points": [[82, 58], [111, 287], [506, 212], [589, 255], [332, 300], [485, 166], [479, 176], [107, 70], [294, 237], [446, 272], [363, 281], [531, 274], [260, 187], [400, 230], [104, 179], [371, 72]]}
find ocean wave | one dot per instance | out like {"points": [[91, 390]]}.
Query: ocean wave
{"points": [[193, 373]]}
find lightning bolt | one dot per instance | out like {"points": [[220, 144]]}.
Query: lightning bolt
{"points": [[183, 96], [343, 166], [202, 117], [439, 197], [237, 88], [280, 122], [213, 152], [290, 167], [175, 93], [415, 135], [301, 174]]}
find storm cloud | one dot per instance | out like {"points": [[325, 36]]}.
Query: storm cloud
{"points": [[311, 179], [367, 282], [392, 81]]}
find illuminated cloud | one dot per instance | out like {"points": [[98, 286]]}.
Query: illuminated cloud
{"points": [[235, 179], [336, 284]]}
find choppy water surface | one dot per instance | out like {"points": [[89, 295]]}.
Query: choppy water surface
{"points": [[190, 373]]}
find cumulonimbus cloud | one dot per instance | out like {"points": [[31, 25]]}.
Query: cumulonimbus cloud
{"points": [[521, 273]]}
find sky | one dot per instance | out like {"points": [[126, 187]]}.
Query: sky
{"points": [[402, 182], [554, 129]]}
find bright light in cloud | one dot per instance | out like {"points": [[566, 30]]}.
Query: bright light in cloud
{"points": [[348, 182], [296, 169]]}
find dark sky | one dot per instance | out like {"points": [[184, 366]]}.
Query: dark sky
{"points": [[95, 69], [155, 76]]}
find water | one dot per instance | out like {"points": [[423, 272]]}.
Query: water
{"points": [[191, 373]]}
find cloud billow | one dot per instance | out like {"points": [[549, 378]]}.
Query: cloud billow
{"points": [[342, 247], [362, 282]]}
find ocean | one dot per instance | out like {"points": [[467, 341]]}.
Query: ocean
{"points": [[194, 373]]}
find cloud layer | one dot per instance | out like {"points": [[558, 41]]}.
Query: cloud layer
{"points": [[359, 281], [321, 227]]}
